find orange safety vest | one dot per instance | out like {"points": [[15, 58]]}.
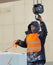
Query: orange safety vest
{"points": [[33, 42]]}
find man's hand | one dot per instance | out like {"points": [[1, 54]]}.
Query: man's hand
{"points": [[15, 43], [39, 18]]}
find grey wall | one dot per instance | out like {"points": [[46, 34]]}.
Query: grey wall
{"points": [[4, 1]]}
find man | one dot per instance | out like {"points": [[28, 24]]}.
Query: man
{"points": [[34, 42]]}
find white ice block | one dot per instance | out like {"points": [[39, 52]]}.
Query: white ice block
{"points": [[10, 58]]}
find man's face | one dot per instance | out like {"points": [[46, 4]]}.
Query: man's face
{"points": [[32, 28]]}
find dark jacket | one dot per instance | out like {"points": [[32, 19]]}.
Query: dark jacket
{"points": [[42, 36]]}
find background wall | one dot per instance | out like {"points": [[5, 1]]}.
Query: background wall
{"points": [[14, 18]]}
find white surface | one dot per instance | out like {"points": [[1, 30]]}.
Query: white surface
{"points": [[14, 58], [11, 53]]}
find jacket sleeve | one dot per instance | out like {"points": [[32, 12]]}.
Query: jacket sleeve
{"points": [[43, 33], [43, 29], [22, 43]]}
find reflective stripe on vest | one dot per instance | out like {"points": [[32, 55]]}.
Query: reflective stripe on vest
{"points": [[34, 49], [36, 42], [33, 43]]}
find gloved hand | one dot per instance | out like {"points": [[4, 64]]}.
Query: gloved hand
{"points": [[15, 43], [39, 18]]}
